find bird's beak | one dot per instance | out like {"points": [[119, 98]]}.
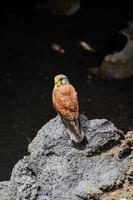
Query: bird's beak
{"points": [[57, 82]]}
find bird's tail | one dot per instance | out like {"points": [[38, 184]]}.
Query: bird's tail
{"points": [[74, 129]]}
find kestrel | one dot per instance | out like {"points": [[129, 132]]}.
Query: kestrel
{"points": [[65, 102]]}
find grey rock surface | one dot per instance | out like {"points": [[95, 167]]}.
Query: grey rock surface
{"points": [[55, 169], [4, 190]]}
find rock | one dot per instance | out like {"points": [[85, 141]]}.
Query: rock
{"points": [[130, 177], [125, 55], [130, 174], [100, 133], [118, 65], [61, 7], [86, 191], [4, 193], [127, 145], [55, 169], [23, 184], [123, 199]]}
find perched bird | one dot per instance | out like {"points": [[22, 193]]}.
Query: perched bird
{"points": [[65, 102]]}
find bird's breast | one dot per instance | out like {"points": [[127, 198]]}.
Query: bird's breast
{"points": [[65, 101]]}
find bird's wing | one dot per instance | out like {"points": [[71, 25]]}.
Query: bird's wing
{"points": [[65, 102]]}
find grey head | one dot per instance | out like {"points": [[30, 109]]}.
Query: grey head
{"points": [[61, 80]]}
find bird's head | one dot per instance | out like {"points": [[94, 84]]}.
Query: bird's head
{"points": [[60, 80]]}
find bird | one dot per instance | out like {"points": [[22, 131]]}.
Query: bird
{"points": [[65, 103]]}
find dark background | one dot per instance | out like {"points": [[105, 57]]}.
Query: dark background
{"points": [[28, 65]]}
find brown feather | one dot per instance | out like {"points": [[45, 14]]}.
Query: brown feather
{"points": [[65, 102]]}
